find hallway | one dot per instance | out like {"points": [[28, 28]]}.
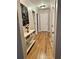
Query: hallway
{"points": [[42, 48]]}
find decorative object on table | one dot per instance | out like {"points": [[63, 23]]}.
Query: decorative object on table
{"points": [[27, 27]]}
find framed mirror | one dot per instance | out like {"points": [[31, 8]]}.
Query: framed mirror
{"points": [[24, 12]]}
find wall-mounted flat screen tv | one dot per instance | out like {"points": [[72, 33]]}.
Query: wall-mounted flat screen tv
{"points": [[24, 12]]}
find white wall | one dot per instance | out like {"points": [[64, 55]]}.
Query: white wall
{"points": [[52, 14], [23, 2], [52, 18], [31, 21]]}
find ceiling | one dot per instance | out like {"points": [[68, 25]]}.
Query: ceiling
{"points": [[36, 3]]}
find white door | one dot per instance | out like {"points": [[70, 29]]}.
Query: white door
{"points": [[43, 21]]}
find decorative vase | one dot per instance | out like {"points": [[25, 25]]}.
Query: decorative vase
{"points": [[27, 29]]}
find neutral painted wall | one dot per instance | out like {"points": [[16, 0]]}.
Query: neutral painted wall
{"points": [[36, 22], [53, 18], [23, 2], [52, 14], [31, 20]]}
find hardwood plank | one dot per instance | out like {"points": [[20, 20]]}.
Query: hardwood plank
{"points": [[42, 48]]}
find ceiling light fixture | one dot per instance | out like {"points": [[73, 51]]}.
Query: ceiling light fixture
{"points": [[42, 5]]}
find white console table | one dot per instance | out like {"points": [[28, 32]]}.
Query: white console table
{"points": [[30, 32], [30, 40]]}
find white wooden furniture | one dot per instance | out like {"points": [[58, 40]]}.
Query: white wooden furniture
{"points": [[27, 34], [29, 38]]}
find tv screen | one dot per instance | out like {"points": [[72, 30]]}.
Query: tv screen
{"points": [[25, 17]]}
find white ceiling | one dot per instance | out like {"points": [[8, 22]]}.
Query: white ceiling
{"points": [[36, 3]]}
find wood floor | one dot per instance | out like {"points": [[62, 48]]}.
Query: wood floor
{"points": [[42, 48]]}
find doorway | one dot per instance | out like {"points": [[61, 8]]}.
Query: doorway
{"points": [[40, 45], [43, 21]]}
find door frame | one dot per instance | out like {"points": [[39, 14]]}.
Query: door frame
{"points": [[57, 30], [20, 36]]}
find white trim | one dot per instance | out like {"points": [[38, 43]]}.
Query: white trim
{"points": [[55, 23]]}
